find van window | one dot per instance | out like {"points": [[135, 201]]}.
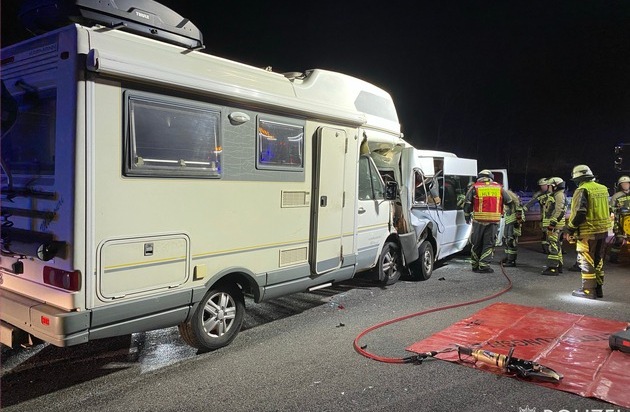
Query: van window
{"points": [[171, 137], [427, 190], [455, 188], [280, 146]]}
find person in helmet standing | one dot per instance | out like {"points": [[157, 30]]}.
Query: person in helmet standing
{"points": [[541, 197], [553, 222], [588, 225], [619, 205], [514, 219], [484, 206]]}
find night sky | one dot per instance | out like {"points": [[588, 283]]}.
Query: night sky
{"points": [[532, 86]]}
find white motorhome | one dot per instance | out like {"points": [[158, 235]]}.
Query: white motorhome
{"points": [[146, 184]]}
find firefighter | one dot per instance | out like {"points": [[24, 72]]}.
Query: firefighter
{"points": [[514, 219], [540, 196], [619, 206], [484, 206], [588, 225], [553, 222]]}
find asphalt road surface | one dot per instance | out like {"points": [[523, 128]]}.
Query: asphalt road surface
{"points": [[296, 353]]}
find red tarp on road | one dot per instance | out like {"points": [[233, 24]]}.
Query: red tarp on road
{"points": [[575, 346]]}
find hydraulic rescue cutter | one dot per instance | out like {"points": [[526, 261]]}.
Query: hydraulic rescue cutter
{"points": [[522, 368]]}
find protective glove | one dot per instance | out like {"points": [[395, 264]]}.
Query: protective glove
{"points": [[552, 225]]}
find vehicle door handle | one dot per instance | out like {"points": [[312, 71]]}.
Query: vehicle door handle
{"points": [[361, 210]]}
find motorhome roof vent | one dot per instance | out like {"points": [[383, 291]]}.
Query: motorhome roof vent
{"points": [[145, 17]]}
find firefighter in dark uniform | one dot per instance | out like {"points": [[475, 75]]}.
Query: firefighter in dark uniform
{"points": [[540, 196], [620, 207], [484, 206], [588, 225], [514, 219], [553, 222]]}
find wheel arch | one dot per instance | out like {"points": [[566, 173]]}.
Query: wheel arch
{"points": [[241, 277]]}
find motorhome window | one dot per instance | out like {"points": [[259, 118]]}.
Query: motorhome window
{"points": [[176, 138], [376, 105], [28, 147], [280, 146], [370, 183]]}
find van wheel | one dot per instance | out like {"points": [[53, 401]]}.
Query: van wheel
{"points": [[422, 269], [217, 319], [389, 264]]}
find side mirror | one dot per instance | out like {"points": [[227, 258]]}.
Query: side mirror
{"points": [[391, 190]]}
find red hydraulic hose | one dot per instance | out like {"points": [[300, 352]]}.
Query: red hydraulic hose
{"points": [[367, 354]]}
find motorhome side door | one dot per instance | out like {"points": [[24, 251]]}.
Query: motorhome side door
{"points": [[328, 200]]}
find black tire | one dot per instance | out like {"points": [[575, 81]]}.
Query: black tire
{"points": [[217, 319], [389, 264], [422, 268]]}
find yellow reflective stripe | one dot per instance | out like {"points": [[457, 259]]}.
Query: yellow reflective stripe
{"points": [[487, 216]]}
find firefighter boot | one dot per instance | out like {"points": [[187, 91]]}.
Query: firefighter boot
{"points": [[588, 289], [551, 271], [599, 292], [509, 261]]}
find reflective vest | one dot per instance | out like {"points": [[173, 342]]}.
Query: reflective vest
{"points": [[597, 212], [487, 202], [620, 199]]}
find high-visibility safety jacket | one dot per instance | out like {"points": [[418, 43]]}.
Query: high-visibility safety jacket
{"points": [[596, 207], [515, 211], [555, 209], [619, 200], [487, 202]]}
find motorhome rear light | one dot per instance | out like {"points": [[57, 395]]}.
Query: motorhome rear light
{"points": [[62, 278], [44, 320]]}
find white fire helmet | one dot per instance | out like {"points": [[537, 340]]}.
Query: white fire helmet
{"points": [[542, 181], [581, 171], [554, 181], [486, 173], [623, 179]]}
